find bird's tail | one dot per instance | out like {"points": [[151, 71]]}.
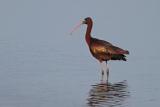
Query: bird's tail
{"points": [[119, 57], [121, 51], [126, 52]]}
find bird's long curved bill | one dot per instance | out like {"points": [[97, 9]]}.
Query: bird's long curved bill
{"points": [[76, 27]]}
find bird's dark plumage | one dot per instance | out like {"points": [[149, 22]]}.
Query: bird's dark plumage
{"points": [[104, 51]]}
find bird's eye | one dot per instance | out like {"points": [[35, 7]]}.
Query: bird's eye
{"points": [[85, 19]]}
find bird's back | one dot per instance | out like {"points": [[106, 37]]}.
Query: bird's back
{"points": [[103, 50]]}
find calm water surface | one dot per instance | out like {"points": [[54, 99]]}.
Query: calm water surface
{"points": [[38, 75], [41, 65]]}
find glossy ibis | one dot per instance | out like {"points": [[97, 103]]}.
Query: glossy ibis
{"points": [[102, 50]]}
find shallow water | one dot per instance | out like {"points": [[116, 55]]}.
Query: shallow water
{"points": [[41, 65], [40, 76], [108, 94]]}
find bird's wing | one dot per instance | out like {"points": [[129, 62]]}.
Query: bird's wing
{"points": [[104, 47]]}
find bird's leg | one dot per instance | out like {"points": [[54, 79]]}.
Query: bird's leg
{"points": [[107, 72], [107, 75], [103, 69]]}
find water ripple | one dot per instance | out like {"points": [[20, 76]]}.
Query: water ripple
{"points": [[110, 95]]}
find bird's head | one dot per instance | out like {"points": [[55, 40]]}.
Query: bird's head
{"points": [[87, 20]]}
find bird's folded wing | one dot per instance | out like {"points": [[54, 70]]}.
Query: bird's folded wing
{"points": [[104, 47]]}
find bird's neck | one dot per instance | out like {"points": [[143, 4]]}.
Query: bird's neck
{"points": [[88, 33]]}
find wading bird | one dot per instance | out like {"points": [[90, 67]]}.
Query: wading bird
{"points": [[102, 50]]}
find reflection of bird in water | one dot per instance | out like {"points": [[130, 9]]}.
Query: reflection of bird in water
{"points": [[108, 95]]}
